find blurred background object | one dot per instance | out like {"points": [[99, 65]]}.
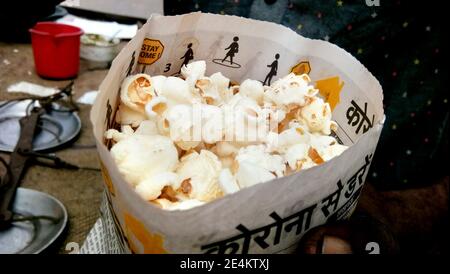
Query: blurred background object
{"points": [[14, 30], [56, 49], [140, 9], [100, 50], [31, 12]]}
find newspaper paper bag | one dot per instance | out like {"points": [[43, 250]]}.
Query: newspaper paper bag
{"points": [[269, 217]]}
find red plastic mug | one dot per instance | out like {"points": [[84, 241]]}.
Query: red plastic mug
{"points": [[56, 49]]}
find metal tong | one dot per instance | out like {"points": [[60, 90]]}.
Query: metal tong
{"points": [[23, 152]]}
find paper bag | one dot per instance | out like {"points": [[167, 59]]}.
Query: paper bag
{"points": [[269, 217]]}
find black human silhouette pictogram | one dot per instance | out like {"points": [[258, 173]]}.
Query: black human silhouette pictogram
{"points": [[228, 60], [233, 48], [131, 65], [188, 56], [273, 70], [109, 112]]}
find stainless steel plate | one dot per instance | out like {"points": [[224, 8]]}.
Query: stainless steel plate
{"points": [[33, 236], [56, 128]]}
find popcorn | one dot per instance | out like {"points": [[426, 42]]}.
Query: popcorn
{"points": [[187, 145], [208, 90], [126, 129], [180, 122], [177, 91], [201, 172], [227, 182], [314, 155], [321, 142], [258, 155], [228, 138], [274, 114], [150, 188], [333, 151], [290, 90], [234, 89], [193, 71], [221, 83], [247, 123], [227, 161], [136, 91], [127, 116], [147, 127], [252, 89], [156, 106], [141, 157], [211, 123], [115, 135], [297, 157], [225, 148], [245, 106], [180, 119], [317, 116], [250, 174], [158, 84], [327, 146], [294, 135]]}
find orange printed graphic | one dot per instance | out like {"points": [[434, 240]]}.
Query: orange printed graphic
{"points": [[151, 51], [151, 242], [330, 89], [107, 179], [301, 68]]}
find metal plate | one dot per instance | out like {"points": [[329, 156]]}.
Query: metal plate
{"points": [[57, 128], [33, 236]]}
